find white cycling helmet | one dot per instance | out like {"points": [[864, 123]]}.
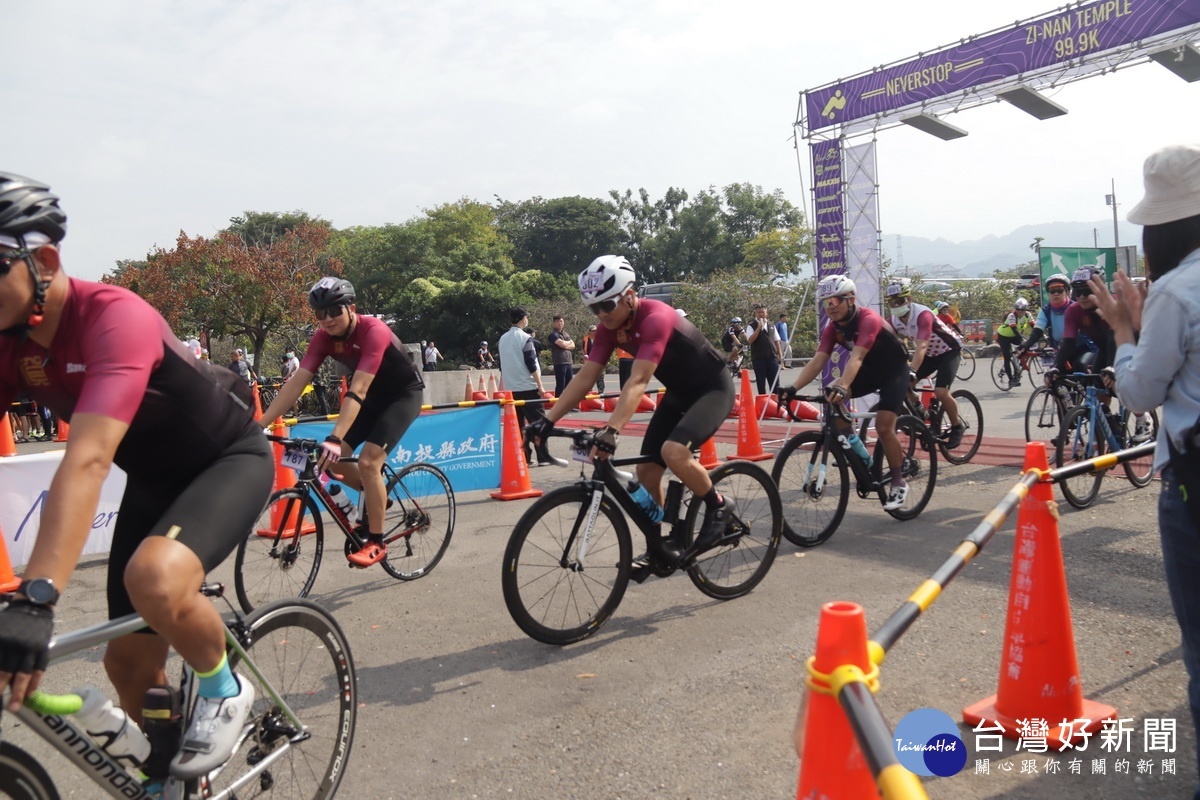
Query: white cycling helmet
{"points": [[606, 278], [901, 287], [1021, 304], [834, 286], [1057, 277], [940, 304]]}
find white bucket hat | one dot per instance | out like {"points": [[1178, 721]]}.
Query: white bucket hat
{"points": [[1172, 177]]}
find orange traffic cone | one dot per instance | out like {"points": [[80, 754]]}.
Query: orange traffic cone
{"points": [[708, 454], [62, 431], [514, 472], [492, 390], [8, 581], [749, 446], [831, 763], [610, 404], [469, 393], [345, 388], [591, 403], [8, 445], [258, 409], [646, 403], [1039, 674]]}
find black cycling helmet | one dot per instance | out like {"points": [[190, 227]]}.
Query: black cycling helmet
{"points": [[27, 206], [331, 291]]}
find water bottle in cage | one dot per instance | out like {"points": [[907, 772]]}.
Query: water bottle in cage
{"points": [[112, 729], [645, 501], [342, 501]]}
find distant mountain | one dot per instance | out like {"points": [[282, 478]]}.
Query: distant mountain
{"points": [[981, 257]]}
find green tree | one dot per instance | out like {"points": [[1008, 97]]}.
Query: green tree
{"points": [[776, 252], [561, 235], [381, 261]]}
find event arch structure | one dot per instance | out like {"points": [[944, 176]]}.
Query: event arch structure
{"points": [[1011, 64]]}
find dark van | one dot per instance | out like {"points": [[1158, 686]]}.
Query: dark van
{"points": [[660, 291]]}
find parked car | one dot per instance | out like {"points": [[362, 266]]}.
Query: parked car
{"points": [[660, 291], [935, 287], [1031, 281]]}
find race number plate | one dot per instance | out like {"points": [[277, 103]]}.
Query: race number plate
{"points": [[581, 454], [294, 458]]}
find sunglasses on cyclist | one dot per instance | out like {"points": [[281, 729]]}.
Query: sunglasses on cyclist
{"points": [[330, 313], [7, 261], [835, 301], [1081, 291], [604, 306], [1058, 290]]}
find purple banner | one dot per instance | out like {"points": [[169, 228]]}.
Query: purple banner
{"points": [[1061, 37], [830, 216]]}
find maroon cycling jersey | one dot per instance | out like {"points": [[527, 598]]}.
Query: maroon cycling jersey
{"points": [[866, 329], [115, 356], [370, 347], [684, 360]]}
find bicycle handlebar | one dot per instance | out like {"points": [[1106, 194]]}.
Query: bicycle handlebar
{"points": [[59, 704]]}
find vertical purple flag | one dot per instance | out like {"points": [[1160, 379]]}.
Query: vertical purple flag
{"points": [[830, 216]]}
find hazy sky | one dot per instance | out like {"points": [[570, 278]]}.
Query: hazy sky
{"points": [[151, 117]]}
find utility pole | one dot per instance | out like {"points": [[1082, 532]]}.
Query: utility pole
{"points": [[1111, 199], [1095, 238]]}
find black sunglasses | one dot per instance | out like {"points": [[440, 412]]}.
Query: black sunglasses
{"points": [[1081, 291], [1057, 290], [7, 261], [331, 313], [604, 306]]}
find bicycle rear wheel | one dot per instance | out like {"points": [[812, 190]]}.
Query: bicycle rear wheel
{"points": [[920, 466], [970, 416], [418, 526], [814, 488], [304, 658], [22, 776], [966, 365], [282, 553], [556, 590], [1043, 417], [1140, 471], [998, 376], [1079, 442], [744, 557]]}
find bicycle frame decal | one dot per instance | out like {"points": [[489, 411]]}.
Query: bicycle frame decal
{"points": [[590, 525], [77, 746]]}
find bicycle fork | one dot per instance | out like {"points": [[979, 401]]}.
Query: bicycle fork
{"points": [[587, 521]]}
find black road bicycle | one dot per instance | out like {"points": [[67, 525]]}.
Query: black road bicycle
{"points": [[296, 742], [283, 551], [970, 414], [570, 557], [813, 472]]}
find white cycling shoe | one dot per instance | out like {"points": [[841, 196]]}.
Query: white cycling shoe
{"points": [[896, 498], [216, 727]]}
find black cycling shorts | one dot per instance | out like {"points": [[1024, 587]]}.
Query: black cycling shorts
{"points": [[892, 387], [383, 422], [690, 419], [945, 365], [210, 512]]}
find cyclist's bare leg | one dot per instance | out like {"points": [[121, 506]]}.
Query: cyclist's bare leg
{"points": [[370, 475], [948, 403], [885, 427], [679, 458], [134, 663], [163, 581], [650, 475]]}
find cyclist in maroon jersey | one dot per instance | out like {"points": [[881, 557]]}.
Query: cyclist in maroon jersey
{"points": [[878, 363], [198, 473], [699, 388], [384, 398]]}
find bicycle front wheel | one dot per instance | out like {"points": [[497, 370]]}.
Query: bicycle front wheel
{"points": [[966, 365], [919, 469], [998, 376], [22, 776], [1079, 442], [561, 581], [1043, 417], [970, 416], [418, 526], [1140, 471], [304, 661], [814, 487], [282, 553], [746, 553]]}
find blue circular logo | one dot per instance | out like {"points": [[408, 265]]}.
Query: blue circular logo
{"points": [[927, 743]]}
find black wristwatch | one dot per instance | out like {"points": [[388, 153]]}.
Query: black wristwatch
{"points": [[39, 591]]}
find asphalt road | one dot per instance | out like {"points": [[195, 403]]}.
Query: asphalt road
{"points": [[680, 696]]}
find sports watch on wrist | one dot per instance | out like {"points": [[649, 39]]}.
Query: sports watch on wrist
{"points": [[39, 591]]}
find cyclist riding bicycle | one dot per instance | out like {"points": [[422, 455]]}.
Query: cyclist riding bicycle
{"points": [[878, 363], [937, 349], [699, 393], [198, 473], [1084, 333], [384, 398], [946, 315], [1049, 322], [1011, 333]]}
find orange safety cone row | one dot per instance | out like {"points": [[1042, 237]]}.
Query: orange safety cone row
{"points": [[831, 762], [591, 403], [749, 447], [8, 445], [708, 454], [514, 472], [1039, 673], [8, 580], [62, 431]]}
